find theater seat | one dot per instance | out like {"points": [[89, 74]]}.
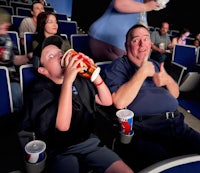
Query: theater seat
{"points": [[186, 163], [184, 60]]}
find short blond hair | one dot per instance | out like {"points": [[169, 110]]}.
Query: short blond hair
{"points": [[5, 16]]}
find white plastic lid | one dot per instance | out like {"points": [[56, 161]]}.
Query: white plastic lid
{"points": [[95, 74], [35, 146], [124, 114]]}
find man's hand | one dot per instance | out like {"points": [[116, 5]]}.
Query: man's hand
{"points": [[160, 78], [163, 79], [147, 67]]}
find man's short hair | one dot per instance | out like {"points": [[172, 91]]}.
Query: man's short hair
{"points": [[138, 25]]}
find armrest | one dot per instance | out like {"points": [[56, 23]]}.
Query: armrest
{"points": [[177, 71], [179, 65]]}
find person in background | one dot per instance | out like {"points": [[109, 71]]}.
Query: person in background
{"points": [[161, 45], [9, 57], [196, 43], [198, 36], [181, 38], [107, 32], [161, 42], [47, 25], [60, 108], [29, 24], [142, 85]]}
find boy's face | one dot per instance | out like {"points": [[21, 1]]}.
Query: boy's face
{"points": [[4, 27], [51, 63]]}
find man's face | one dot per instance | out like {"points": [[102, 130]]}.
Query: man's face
{"points": [[138, 45], [37, 9], [198, 36], [164, 29]]}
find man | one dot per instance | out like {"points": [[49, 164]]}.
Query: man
{"points": [[143, 86], [161, 45], [60, 110]]}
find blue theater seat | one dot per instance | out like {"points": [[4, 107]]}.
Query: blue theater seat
{"points": [[181, 164]]}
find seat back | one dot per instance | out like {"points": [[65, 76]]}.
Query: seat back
{"points": [[6, 106], [27, 74], [15, 4], [190, 82], [151, 28], [185, 163], [3, 2], [156, 28], [21, 11], [61, 16], [67, 27], [9, 9], [103, 65], [49, 8], [184, 55], [80, 43], [64, 36], [177, 72], [189, 40], [16, 21], [174, 32], [198, 55], [15, 39], [28, 38]]}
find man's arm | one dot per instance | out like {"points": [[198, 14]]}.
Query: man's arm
{"points": [[129, 90]]}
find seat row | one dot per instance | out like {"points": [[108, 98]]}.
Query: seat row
{"points": [[173, 33], [27, 74], [79, 42], [186, 67], [23, 9], [12, 6]]}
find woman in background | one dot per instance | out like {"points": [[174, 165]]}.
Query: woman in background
{"points": [[181, 38], [47, 26]]}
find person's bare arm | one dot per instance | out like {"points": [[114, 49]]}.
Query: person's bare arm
{"points": [[155, 48], [21, 59], [129, 90], [64, 113], [130, 6], [104, 96]]}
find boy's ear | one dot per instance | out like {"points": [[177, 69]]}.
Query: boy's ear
{"points": [[41, 70]]}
